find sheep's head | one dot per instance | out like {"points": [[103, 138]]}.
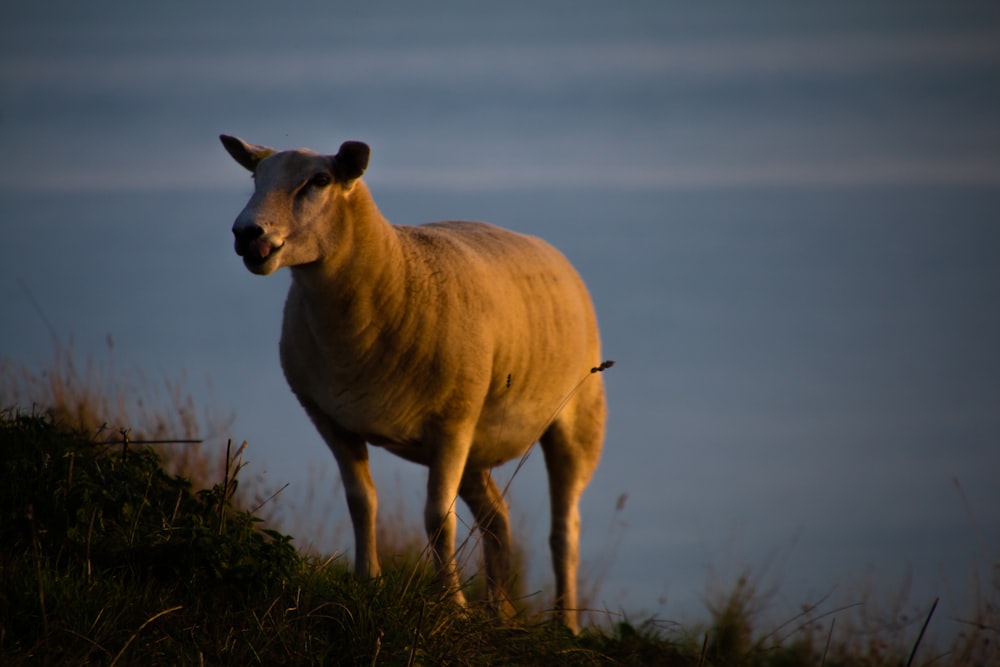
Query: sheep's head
{"points": [[286, 221]]}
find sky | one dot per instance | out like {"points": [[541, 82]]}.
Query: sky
{"points": [[786, 215]]}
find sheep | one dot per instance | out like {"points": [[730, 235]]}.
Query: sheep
{"points": [[455, 345]]}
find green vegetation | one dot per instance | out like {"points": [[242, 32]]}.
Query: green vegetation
{"points": [[108, 557]]}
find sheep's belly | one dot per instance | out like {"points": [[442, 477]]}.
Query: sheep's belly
{"points": [[482, 454]]}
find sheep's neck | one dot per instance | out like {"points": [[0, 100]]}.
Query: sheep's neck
{"points": [[359, 287]]}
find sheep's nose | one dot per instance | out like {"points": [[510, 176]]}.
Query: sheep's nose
{"points": [[244, 235]]}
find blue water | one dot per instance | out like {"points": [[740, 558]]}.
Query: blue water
{"points": [[787, 219]]}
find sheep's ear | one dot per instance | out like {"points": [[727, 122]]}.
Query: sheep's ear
{"points": [[248, 155], [351, 160]]}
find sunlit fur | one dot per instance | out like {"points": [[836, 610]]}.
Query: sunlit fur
{"points": [[455, 345]]}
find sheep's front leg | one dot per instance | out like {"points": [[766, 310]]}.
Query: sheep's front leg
{"points": [[351, 454], [443, 481], [362, 503]]}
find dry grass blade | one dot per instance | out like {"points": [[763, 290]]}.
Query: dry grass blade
{"points": [[829, 638], [923, 629], [269, 498], [704, 651], [416, 634], [37, 553], [141, 628], [378, 648]]}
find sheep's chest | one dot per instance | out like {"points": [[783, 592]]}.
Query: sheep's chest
{"points": [[358, 398]]}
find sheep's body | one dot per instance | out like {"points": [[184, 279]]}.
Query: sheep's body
{"points": [[455, 345]]}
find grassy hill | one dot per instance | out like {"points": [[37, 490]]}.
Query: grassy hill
{"points": [[106, 558], [111, 555]]}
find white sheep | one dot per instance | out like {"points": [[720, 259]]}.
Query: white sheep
{"points": [[455, 345]]}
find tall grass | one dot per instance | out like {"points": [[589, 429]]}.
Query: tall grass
{"points": [[99, 398], [108, 556]]}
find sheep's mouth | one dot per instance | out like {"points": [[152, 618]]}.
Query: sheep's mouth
{"points": [[258, 251]]}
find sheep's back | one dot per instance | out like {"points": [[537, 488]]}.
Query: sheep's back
{"points": [[512, 300]]}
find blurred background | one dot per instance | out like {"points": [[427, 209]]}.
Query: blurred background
{"points": [[788, 216]]}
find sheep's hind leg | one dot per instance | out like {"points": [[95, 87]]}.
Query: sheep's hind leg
{"points": [[571, 453], [489, 509]]}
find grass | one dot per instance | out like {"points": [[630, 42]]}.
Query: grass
{"points": [[99, 398], [109, 556]]}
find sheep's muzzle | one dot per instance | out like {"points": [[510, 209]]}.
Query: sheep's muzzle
{"points": [[252, 246]]}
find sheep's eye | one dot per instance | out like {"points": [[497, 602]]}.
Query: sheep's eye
{"points": [[320, 180]]}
